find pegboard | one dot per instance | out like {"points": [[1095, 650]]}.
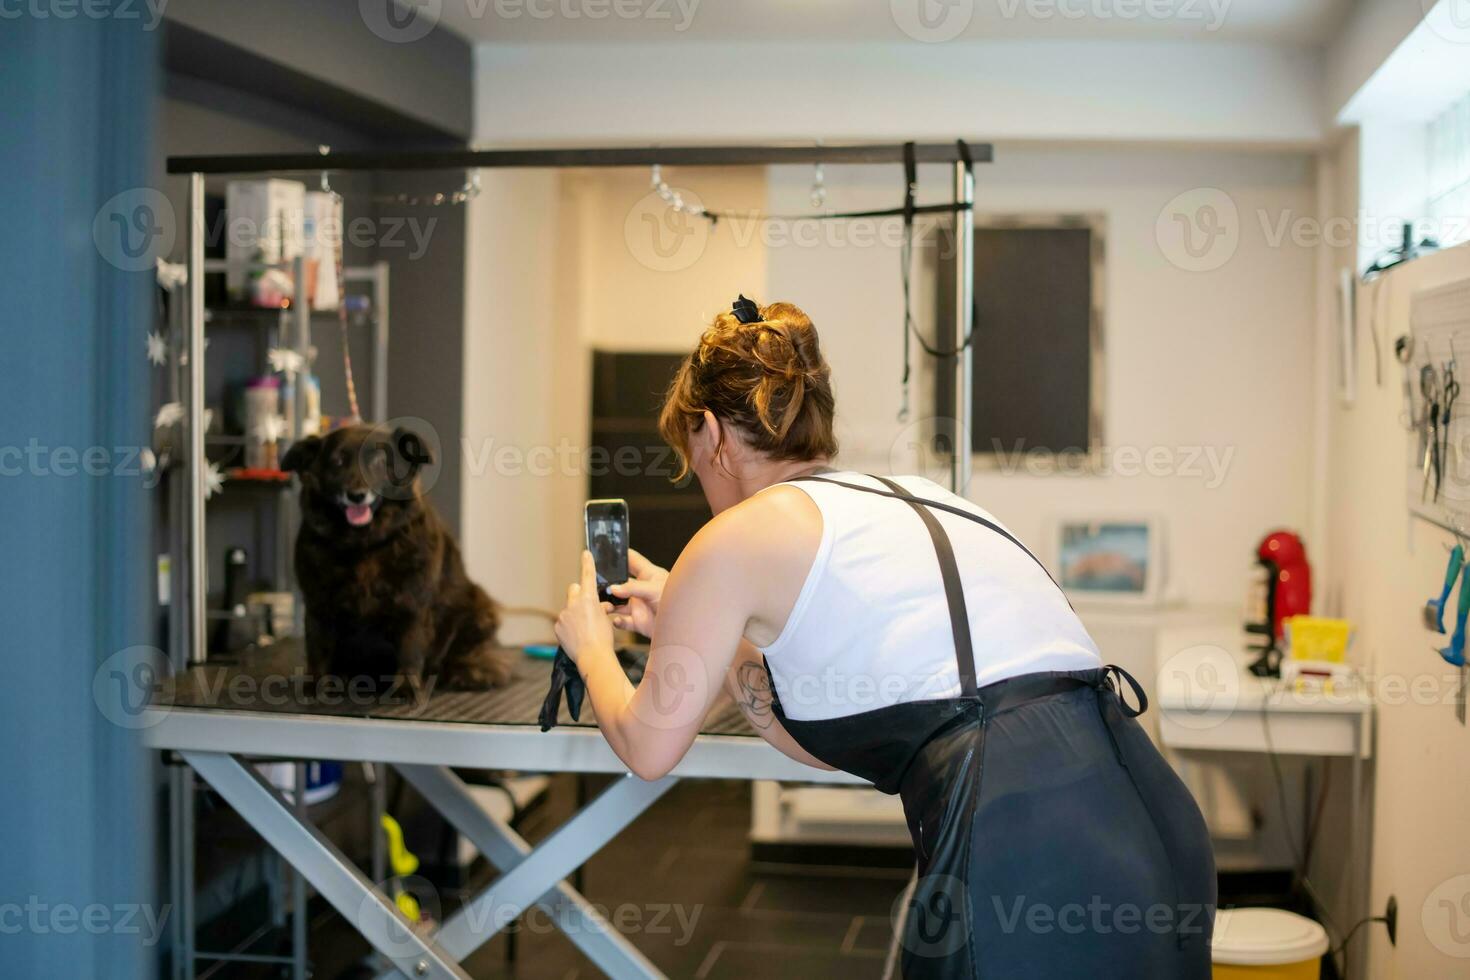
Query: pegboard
{"points": [[1439, 325]]}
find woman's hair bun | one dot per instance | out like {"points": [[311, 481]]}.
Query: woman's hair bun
{"points": [[766, 376]]}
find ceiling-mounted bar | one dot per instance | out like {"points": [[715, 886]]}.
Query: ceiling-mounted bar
{"points": [[672, 156], [964, 325]]}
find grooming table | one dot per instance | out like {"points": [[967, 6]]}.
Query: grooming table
{"points": [[216, 716]]}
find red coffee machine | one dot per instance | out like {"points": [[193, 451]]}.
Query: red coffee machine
{"points": [[1281, 586]]}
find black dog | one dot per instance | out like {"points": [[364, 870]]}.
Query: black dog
{"points": [[385, 587]]}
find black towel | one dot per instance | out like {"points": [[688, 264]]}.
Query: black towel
{"points": [[564, 677]]}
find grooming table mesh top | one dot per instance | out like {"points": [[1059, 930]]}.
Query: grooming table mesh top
{"points": [[273, 679]]}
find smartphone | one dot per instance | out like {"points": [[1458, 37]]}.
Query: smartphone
{"points": [[607, 539]]}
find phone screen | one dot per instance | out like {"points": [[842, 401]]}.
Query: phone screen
{"points": [[607, 539]]}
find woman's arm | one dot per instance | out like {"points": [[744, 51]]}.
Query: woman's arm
{"points": [[727, 576], [700, 622]]}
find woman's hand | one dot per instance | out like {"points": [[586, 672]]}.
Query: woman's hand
{"points": [[642, 593], [584, 625]]}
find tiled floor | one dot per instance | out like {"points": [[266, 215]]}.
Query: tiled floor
{"points": [[681, 883]]}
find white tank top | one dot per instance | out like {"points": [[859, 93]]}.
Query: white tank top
{"points": [[871, 626]]}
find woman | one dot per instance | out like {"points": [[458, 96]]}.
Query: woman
{"points": [[896, 631]]}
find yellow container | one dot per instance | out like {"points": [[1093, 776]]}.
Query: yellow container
{"points": [[1317, 638], [1266, 944]]}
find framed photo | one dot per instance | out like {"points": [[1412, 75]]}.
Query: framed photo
{"points": [[1110, 559]]}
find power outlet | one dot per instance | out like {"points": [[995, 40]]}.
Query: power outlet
{"points": [[1391, 919]]}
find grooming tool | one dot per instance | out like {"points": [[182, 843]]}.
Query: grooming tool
{"points": [[1434, 608], [404, 863], [1450, 393], [1454, 654], [1429, 433], [1403, 349]]}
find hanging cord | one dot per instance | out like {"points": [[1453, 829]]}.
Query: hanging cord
{"points": [[339, 268], [905, 258], [676, 202]]}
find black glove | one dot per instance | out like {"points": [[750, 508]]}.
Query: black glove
{"points": [[564, 677]]}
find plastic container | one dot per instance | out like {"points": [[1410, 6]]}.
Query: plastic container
{"points": [[1266, 944], [1318, 638]]}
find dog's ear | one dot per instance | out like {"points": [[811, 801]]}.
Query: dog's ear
{"points": [[302, 454], [411, 448]]}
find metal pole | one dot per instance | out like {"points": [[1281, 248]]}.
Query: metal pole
{"points": [[194, 488], [964, 323]]}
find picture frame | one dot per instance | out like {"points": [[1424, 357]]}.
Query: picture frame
{"points": [[1115, 559]]}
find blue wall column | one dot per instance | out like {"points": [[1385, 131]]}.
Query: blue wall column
{"points": [[78, 831]]}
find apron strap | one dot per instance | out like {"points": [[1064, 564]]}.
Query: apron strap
{"points": [[950, 508], [954, 592]]}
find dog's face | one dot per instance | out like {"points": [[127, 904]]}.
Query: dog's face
{"points": [[359, 483]]}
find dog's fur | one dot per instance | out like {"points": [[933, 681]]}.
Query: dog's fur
{"points": [[388, 597]]}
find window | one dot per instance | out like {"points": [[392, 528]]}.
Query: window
{"points": [[1037, 353], [1449, 174]]}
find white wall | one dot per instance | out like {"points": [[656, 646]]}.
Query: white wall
{"points": [[1216, 361], [559, 265], [1167, 91], [517, 308], [1386, 564]]}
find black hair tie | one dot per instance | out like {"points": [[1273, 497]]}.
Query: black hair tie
{"points": [[745, 310]]}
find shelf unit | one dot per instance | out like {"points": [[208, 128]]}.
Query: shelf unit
{"points": [[188, 630]]}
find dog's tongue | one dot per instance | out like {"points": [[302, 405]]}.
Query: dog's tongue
{"points": [[359, 514]]}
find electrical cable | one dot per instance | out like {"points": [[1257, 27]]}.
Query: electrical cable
{"points": [[1342, 946], [1300, 871]]}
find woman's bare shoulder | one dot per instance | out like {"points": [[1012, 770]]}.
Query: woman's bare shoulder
{"points": [[778, 522]]}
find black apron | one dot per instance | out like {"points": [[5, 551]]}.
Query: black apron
{"points": [[1052, 838]]}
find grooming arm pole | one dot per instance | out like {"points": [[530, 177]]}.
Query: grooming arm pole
{"points": [[194, 458], [964, 323]]}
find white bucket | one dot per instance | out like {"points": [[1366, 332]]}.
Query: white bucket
{"points": [[1266, 944]]}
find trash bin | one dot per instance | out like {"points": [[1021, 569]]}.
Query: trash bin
{"points": [[1266, 944]]}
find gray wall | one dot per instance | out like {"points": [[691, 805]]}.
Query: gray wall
{"points": [[341, 85], [327, 48]]}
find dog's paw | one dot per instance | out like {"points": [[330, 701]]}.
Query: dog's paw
{"points": [[481, 669]]}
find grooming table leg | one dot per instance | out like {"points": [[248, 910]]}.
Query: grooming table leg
{"points": [[321, 863], [505, 849], [538, 873]]}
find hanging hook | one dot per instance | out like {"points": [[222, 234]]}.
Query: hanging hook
{"points": [[324, 150], [819, 183]]}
